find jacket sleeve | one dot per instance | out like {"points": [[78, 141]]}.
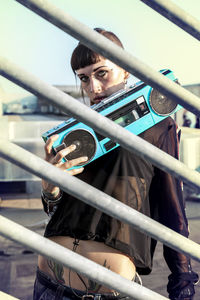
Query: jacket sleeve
{"points": [[166, 197]]}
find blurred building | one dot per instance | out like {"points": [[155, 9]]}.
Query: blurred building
{"points": [[23, 120], [31, 104]]}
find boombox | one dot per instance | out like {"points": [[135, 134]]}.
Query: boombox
{"points": [[136, 108]]}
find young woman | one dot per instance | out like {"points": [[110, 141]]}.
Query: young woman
{"points": [[125, 176]]}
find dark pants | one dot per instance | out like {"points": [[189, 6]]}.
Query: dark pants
{"points": [[46, 288]]}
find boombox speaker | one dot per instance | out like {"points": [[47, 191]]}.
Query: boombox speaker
{"points": [[136, 108]]}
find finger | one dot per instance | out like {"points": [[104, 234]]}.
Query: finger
{"points": [[49, 144], [75, 171], [74, 162], [67, 150], [62, 153]]}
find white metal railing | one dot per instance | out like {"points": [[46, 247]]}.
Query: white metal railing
{"points": [[75, 261], [177, 15], [100, 123], [110, 50], [98, 199], [106, 127]]}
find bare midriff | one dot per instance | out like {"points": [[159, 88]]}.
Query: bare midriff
{"points": [[98, 252]]}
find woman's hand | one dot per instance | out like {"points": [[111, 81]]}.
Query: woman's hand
{"points": [[56, 160]]}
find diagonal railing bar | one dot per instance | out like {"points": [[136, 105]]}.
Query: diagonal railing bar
{"points": [[98, 199], [108, 49], [102, 124], [75, 261], [177, 15], [81, 190]]}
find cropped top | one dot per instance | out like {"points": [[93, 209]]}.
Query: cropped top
{"points": [[137, 183]]}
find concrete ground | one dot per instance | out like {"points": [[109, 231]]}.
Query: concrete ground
{"points": [[18, 264]]}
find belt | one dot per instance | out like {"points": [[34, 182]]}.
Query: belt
{"points": [[68, 292]]}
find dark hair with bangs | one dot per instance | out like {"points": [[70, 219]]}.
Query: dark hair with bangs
{"points": [[82, 56]]}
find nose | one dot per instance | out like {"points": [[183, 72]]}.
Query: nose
{"points": [[95, 86]]}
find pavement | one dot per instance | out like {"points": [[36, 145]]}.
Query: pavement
{"points": [[18, 264]]}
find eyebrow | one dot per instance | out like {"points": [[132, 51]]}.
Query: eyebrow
{"points": [[93, 70]]}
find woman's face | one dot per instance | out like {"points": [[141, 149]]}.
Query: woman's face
{"points": [[102, 79]]}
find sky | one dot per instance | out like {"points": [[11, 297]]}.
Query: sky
{"points": [[45, 51]]}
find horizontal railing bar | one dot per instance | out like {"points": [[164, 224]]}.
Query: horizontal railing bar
{"points": [[100, 123], [177, 15], [105, 47], [98, 199], [74, 261]]}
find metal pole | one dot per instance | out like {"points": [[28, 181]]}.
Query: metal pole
{"points": [[177, 15], [102, 124], [98, 199], [105, 47], [74, 261]]}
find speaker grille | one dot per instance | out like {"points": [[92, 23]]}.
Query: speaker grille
{"points": [[85, 144], [161, 104]]}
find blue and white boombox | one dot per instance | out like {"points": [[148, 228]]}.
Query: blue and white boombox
{"points": [[137, 108]]}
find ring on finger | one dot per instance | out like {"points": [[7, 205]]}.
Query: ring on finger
{"points": [[58, 162]]}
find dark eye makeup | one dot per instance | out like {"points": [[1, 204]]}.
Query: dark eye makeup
{"points": [[84, 78], [102, 73], [98, 73]]}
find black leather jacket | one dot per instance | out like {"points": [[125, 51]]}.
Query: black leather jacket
{"points": [[137, 183]]}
